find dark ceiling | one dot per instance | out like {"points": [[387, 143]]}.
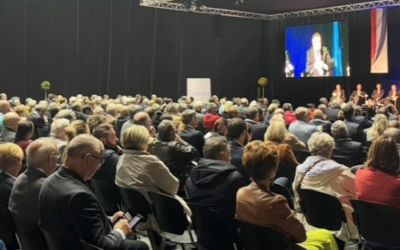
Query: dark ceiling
{"points": [[276, 6]]}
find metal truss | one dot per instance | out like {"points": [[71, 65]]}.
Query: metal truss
{"points": [[242, 14]]}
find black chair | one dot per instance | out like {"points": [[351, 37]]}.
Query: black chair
{"points": [[377, 223], [7, 229], [282, 190], [213, 229], [172, 220], [285, 171], [29, 234], [52, 241], [108, 196], [347, 161], [260, 238], [137, 203], [302, 155], [87, 246]]}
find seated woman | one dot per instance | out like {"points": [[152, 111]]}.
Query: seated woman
{"points": [[76, 128], [257, 205], [319, 173], [220, 129], [378, 127], [290, 139], [24, 134], [144, 172]]}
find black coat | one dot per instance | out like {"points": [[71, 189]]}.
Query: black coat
{"points": [[24, 199], [363, 121], [118, 125], [109, 167], [6, 184], [326, 125], [194, 138], [257, 130], [236, 160], [70, 211], [331, 114], [41, 127], [214, 184], [356, 131], [346, 148]]}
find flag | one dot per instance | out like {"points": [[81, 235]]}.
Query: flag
{"points": [[379, 50]]}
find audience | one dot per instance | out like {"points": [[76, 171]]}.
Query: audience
{"points": [[210, 117], [69, 210], [319, 173], [41, 159], [132, 112], [394, 124], [345, 147], [77, 127], [289, 115], [378, 127], [394, 133], [4, 109], [332, 112], [257, 129], [319, 120], [10, 122], [189, 133], [24, 134], [301, 127], [220, 129], [11, 156], [270, 112], [40, 120], [360, 119], [356, 131]]}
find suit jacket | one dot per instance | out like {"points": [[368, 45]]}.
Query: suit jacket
{"points": [[70, 211], [326, 125], [339, 98], [119, 123], [331, 114], [356, 131], [199, 117], [6, 184], [354, 95], [236, 160], [194, 138], [350, 149], [257, 130], [391, 93], [109, 167], [325, 57], [377, 96], [7, 136], [24, 199], [363, 121], [41, 127]]}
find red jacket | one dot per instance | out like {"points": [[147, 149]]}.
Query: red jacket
{"points": [[209, 121], [289, 117], [375, 186]]}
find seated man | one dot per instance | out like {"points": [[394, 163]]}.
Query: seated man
{"points": [[68, 209], [190, 134], [301, 127], [107, 135], [257, 129], [11, 156], [215, 182], [356, 131], [10, 122], [395, 134], [333, 111], [345, 147], [41, 159], [319, 120], [360, 119], [210, 117]]}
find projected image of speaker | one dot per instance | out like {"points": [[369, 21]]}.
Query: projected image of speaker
{"points": [[318, 50]]}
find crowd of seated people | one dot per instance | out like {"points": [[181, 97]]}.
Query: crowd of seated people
{"points": [[224, 154]]}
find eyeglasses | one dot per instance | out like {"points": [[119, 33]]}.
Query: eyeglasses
{"points": [[101, 160]]}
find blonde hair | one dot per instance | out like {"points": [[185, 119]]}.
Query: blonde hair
{"points": [[276, 131], [135, 137], [76, 128], [227, 106], [10, 153], [272, 107], [378, 127]]}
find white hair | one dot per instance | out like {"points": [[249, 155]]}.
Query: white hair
{"points": [[321, 144], [57, 128], [339, 130]]}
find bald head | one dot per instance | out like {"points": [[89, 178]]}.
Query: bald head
{"points": [[141, 118], [10, 121], [42, 153], [83, 144], [318, 114], [4, 106]]}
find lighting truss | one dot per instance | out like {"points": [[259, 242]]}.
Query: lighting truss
{"points": [[162, 4]]}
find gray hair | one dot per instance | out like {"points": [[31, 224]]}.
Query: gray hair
{"points": [[172, 108], [135, 137], [165, 129], [211, 107], [213, 147], [321, 144], [57, 128], [38, 155], [187, 116], [339, 130], [393, 133], [67, 114]]}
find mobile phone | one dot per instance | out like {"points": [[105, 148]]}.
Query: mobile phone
{"points": [[133, 221]]}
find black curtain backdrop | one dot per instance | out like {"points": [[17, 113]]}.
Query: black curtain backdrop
{"points": [[118, 47]]}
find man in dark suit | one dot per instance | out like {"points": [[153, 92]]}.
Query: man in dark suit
{"points": [[333, 111], [360, 119], [378, 93], [345, 147], [197, 106], [69, 210], [40, 121], [257, 129], [319, 61], [237, 130], [41, 158], [356, 131], [358, 96], [393, 93], [319, 120], [190, 134]]}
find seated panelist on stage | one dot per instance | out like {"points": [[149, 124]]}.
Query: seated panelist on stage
{"points": [[319, 61], [378, 93], [393, 93], [338, 95], [289, 69], [358, 96]]}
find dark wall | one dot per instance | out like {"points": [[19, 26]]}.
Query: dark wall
{"points": [[300, 91], [117, 47]]}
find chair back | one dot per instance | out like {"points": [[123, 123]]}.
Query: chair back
{"points": [[377, 223], [213, 229], [169, 213], [260, 238], [285, 170], [282, 190], [302, 155], [7, 229], [52, 241], [87, 246], [29, 234], [133, 199], [321, 210], [108, 196], [346, 161]]}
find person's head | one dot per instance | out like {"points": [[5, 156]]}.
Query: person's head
{"points": [[383, 111], [11, 120], [287, 107], [233, 112], [321, 107], [112, 110], [172, 108], [237, 130], [217, 148], [98, 111], [189, 118], [84, 155], [227, 106], [87, 110], [4, 106], [197, 106], [379, 126], [166, 131], [42, 153], [394, 88], [252, 114], [134, 110], [244, 102], [359, 87], [67, 114], [321, 144], [212, 108], [3, 97], [302, 114], [393, 133], [24, 131], [57, 129], [75, 128], [272, 107], [338, 87], [221, 127], [378, 86], [319, 114], [142, 119], [106, 134], [323, 100], [261, 160], [276, 131], [339, 130], [348, 112], [135, 138], [11, 156], [394, 124], [316, 41], [383, 155]]}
